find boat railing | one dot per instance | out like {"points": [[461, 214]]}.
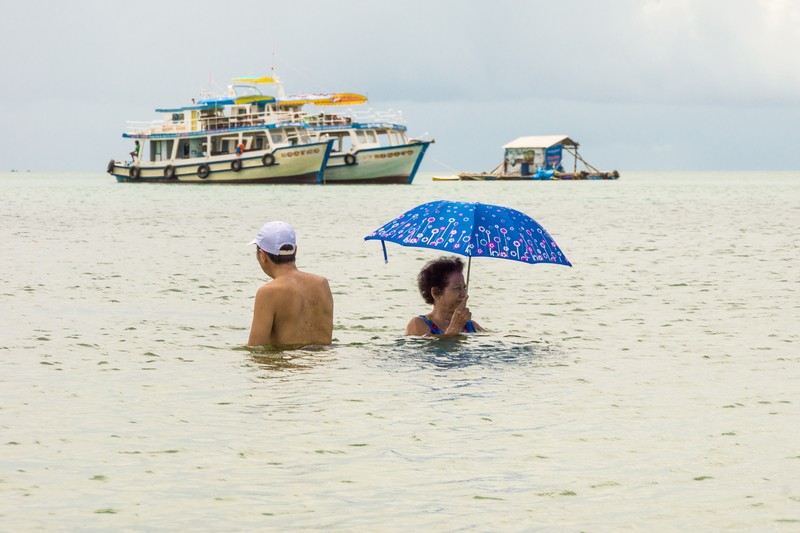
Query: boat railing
{"points": [[142, 127], [327, 119], [219, 122], [370, 115]]}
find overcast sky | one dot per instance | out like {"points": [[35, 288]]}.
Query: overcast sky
{"points": [[641, 84]]}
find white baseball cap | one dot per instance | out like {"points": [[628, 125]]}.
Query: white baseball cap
{"points": [[275, 235]]}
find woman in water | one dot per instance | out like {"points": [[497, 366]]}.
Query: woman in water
{"points": [[441, 284]]}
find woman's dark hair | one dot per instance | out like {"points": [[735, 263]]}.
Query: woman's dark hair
{"points": [[435, 274], [282, 259]]}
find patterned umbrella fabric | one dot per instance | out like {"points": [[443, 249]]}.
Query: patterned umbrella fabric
{"points": [[472, 229]]}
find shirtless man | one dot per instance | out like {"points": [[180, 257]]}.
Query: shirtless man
{"points": [[295, 308]]}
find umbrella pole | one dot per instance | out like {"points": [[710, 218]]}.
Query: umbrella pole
{"points": [[469, 264]]}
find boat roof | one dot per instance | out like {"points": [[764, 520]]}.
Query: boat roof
{"points": [[540, 141], [179, 109]]}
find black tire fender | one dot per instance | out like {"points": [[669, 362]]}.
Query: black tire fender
{"points": [[134, 173], [236, 165], [169, 171], [268, 160], [203, 171], [349, 159]]}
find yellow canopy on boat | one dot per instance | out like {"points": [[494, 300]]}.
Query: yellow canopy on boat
{"points": [[262, 79], [254, 98], [302, 99], [323, 99], [347, 99]]}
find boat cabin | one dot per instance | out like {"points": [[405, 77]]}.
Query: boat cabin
{"points": [[361, 139], [266, 138]]}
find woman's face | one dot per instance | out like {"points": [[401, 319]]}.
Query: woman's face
{"points": [[454, 292]]}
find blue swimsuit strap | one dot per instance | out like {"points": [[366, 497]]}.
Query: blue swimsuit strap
{"points": [[469, 327]]}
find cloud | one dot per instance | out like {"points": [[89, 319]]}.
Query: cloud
{"points": [[623, 74]]}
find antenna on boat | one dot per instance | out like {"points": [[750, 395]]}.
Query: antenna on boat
{"points": [[279, 92]]}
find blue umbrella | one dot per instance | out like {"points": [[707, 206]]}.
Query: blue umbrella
{"points": [[472, 229]]}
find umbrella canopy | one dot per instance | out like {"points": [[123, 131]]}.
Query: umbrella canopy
{"points": [[472, 229]]}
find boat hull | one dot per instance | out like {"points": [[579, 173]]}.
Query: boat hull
{"points": [[292, 165], [389, 164], [485, 176]]}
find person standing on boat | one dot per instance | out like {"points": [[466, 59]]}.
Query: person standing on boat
{"points": [[295, 308], [240, 148], [441, 284], [135, 153]]}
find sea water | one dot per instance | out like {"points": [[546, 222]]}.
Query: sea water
{"points": [[654, 386]]}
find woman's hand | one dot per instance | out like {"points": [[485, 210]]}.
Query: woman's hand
{"points": [[461, 316]]}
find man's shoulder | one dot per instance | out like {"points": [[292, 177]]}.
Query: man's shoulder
{"points": [[311, 277], [292, 281]]}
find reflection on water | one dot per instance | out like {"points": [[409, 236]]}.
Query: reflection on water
{"points": [[283, 358], [480, 349]]}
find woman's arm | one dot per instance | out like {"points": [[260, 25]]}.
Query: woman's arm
{"points": [[417, 326]]}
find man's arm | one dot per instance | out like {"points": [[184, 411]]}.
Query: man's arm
{"points": [[263, 317]]}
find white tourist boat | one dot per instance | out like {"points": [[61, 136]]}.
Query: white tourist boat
{"points": [[243, 137], [368, 146]]}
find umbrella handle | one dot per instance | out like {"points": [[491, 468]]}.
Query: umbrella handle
{"points": [[385, 257], [469, 264]]}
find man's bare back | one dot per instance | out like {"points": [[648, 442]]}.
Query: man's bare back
{"points": [[295, 308]]}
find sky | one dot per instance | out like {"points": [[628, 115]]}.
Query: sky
{"points": [[642, 85]]}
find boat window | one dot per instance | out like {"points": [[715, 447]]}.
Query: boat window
{"points": [[366, 138], [155, 150], [223, 144], [344, 144], [188, 148], [392, 138], [385, 138], [197, 147], [259, 141], [170, 147], [297, 136], [183, 149], [278, 137], [161, 150]]}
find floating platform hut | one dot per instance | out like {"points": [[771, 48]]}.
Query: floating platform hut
{"points": [[538, 158]]}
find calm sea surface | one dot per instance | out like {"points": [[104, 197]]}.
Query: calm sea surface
{"points": [[655, 386]]}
